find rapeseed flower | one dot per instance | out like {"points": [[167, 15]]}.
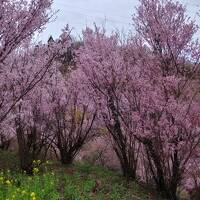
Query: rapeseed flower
{"points": [[8, 182]]}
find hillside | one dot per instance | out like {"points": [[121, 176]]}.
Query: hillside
{"points": [[79, 181]]}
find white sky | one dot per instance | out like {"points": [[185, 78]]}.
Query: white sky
{"points": [[112, 14]]}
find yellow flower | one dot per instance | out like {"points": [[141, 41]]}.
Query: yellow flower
{"points": [[32, 194], [34, 162], [35, 170], [38, 161], [8, 182]]}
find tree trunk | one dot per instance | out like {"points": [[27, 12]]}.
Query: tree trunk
{"points": [[167, 190], [129, 173], [26, 160], [66, 157], [128, 170]]}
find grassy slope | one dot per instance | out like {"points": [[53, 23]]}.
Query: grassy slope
{"points": [[88, 182], [76, 182]]}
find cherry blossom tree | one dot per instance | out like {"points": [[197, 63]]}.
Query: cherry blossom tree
{"points": [[71, 118], [32, 69], [105, 74], [146, 90], [168, 122], [19, 21], [53, 114]]}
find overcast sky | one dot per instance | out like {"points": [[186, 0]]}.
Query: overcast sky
{"points": [[112, 14]]}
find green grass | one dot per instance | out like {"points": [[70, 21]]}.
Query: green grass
{"points": [[79, 181], [86, 182], [8, 160]]}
